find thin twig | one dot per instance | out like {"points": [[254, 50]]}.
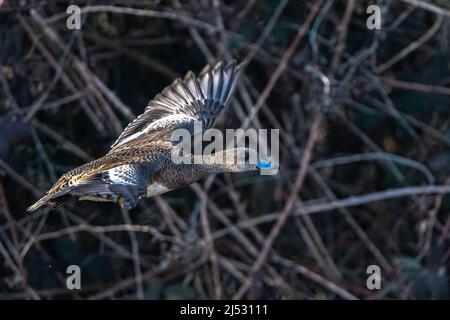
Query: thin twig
{"points": [[314, 133]]}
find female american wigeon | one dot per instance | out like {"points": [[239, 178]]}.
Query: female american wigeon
{"points": [[139, 164]]}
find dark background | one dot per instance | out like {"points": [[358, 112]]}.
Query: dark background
{"points": [[381, 135]]}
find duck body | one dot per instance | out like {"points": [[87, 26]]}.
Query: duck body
{"points": [[139, 164]]}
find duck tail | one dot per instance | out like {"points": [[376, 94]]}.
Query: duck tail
{"points": [[49, 200], [44, 201], [52, 198]]}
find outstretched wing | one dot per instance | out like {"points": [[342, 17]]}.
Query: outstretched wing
{"points": [[184, 102]]}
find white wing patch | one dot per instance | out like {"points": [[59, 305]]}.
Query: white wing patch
{"points": [[156, 188], [136, 175], [121, 175]]}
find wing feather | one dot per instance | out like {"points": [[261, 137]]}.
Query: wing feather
{"points": [[194, 98]]}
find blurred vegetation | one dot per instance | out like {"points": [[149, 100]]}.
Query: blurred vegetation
{"points": [[52, 121]]}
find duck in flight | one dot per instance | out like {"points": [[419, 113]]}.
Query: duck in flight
{"points": [[139, 164]]}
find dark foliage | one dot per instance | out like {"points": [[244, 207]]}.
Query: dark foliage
{"points": [[378, 141]]}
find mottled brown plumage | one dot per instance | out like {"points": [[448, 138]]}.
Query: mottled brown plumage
{"points": [[156, 151], [139, 164]]}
